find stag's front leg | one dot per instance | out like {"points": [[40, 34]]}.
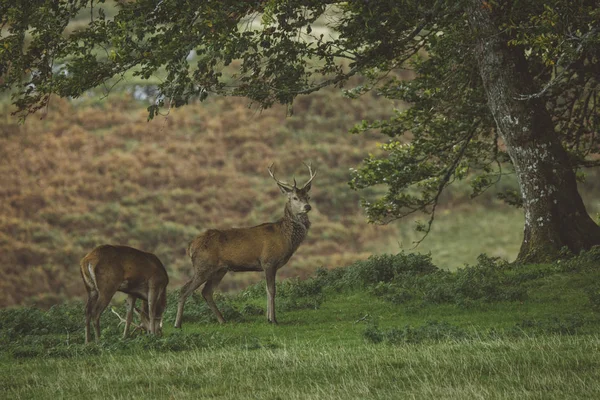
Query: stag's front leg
{"points": [[270, 277]]}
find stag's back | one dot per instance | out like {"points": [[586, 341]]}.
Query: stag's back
{"points": [[241, 248]]}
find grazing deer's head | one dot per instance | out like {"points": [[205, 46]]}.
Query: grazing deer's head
{"points": [[298, 198], [144, 315]]}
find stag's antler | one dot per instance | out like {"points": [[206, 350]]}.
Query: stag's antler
{"points": [[287, 185], [280, 183], [312, 175]]}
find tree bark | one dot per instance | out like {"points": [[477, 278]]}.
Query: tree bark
{"points": [[555, 215]]}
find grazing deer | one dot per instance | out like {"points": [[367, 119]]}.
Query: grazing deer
{"points": [[266, 247], [108, 269]]}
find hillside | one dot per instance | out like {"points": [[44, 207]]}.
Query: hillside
{"points": [[97, 172], [94, 171]]}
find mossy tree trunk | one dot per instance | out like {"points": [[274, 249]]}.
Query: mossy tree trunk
{"points": [[555, 215]]}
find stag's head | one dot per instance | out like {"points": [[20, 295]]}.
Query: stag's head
{"points": [[298, 198]]}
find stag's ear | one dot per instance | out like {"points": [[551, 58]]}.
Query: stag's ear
{"points": [[284, 189], [306, 188]]}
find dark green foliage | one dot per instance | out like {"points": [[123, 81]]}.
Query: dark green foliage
{"points": [[391, 293], [431, 331], [569, 325], [488, 281], [586, 260], [252, 310], [593, 293], [373, 334], [59, 319], [376, 269]]}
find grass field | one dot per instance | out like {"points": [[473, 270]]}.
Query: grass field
{"points": [[552, 367], [389, 327]]}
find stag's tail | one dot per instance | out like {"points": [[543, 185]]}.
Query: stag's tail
{"points": [[190, 249]]}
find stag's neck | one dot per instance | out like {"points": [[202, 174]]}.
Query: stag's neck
{"points": [[295, 226]]}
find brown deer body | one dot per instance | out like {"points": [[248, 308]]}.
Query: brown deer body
{"points": [[108, 269], [266, 247]]}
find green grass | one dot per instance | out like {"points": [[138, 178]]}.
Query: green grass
{"points": [[501, 332], [552, 367]]}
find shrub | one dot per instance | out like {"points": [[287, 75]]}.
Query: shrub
{"points": [[376, 269], [390, 292], [15, 322], [252, 310], [373, 334], [491, 279], [568, 325], [584, 261], [431, 331]]}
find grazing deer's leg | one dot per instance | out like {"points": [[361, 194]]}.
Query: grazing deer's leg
{"points": [[209, 288], [186, 290], [151, 309], [89, 308], [130, 306], [99, 307], [270, 276], [158, 323]]}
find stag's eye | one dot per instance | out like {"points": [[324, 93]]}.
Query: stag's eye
{"points": [[295, 198]]}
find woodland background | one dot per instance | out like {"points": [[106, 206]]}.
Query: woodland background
{"points": [[95, 171]]}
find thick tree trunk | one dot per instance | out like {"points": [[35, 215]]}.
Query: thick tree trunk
{"points": [[555, 215]]}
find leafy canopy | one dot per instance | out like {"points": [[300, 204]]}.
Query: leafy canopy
{"points": [[272, 51]]}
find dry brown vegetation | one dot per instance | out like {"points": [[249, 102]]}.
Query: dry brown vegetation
{"points": [[93, 172]]}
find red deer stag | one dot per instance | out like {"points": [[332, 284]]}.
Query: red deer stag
{"points": [[108, 269], [266, 247]]}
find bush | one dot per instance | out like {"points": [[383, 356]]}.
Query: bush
{"points": [[431, 331], [252, 310], [584, 261], [15, 322], [488, 281], [376, 269], [569, 325]]}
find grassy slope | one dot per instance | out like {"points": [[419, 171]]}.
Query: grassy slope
{"points": [[544, 346], [97, 172]]}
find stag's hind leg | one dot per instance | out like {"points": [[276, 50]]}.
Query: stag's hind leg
{"points": [[187, 289], [209, 288]]}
